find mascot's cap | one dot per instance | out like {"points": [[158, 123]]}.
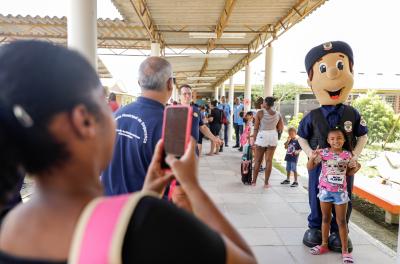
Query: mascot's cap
{"points": [[329, 47]]}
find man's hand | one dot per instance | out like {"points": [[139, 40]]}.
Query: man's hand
{"points": [[156, 178], [217, 141]]}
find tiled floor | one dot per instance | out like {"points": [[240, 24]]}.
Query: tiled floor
{"points": [[273, 221]]}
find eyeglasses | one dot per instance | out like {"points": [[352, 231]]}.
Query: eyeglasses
{"points": [[173, 79]]}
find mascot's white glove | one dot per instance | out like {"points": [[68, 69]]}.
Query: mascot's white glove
{"points": [[307, 149], [361, 142]]}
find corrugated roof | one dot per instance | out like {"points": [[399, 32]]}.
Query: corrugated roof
{"points": [[170, 22]]}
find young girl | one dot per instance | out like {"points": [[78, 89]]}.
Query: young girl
{"points": [[336, 164], [246, 137]]}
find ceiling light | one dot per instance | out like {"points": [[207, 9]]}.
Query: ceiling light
{"points": [[213, 35], [208, 55], [202, 35], [200, 78], [200, 84]]}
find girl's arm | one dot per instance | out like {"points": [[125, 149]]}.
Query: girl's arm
{"points": [[352, 171]]}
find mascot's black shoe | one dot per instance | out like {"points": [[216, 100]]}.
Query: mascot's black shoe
{"points": [[335, 245], [312, 237]]}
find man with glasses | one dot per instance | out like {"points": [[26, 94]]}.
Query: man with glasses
{"points": [[197, 124]]}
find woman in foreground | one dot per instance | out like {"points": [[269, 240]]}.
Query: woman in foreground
{"points": [[55, 125]]}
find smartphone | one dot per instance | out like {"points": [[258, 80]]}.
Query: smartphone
{"points": [[177, 128]]}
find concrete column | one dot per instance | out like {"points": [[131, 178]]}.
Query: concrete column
{"points": [[216, 93], [174, 93], [82, 28], [155, 49], [268, 90], [223, 92], [231, 93], [296, 104], [247, 91]]}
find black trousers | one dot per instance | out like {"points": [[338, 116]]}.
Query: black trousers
{"points": [[238, 132]]}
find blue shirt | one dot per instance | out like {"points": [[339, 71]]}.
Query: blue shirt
{"points": [[236, 118], [292, 147], [139, 128], [197, 122], [333, 115], [227, 110]]}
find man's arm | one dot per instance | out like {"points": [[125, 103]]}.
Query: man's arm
{"points": [[305, 146], [206, 131]]}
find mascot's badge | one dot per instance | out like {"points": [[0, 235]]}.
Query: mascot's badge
{"points": [[328, 46], [348, 126], [363, 122], [195, 114]]}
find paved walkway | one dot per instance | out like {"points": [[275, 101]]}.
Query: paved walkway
{"points": [[273, 221]]}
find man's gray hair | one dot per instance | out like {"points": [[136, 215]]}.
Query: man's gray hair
{"points": [[154, 73]]}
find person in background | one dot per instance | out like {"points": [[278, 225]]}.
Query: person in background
{"points": [[268, 126], [238, 109], [224, 106], [197, 123], [293, 150], [247, 135], [65, 145], [139, 127], [112, 102], [203, 116], [215, 122]]}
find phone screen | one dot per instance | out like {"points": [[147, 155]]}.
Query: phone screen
{"points": [[175, 130]]}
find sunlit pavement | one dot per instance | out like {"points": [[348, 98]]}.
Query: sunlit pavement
{"points": [[274, 220]]}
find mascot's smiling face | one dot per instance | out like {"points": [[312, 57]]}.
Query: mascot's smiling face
{"points": [[331, 78]]}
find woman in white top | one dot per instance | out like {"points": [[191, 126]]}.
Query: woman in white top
{"points": [[268, 124]]}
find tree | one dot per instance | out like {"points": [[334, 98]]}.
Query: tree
{"points": [[287, 91], [295, 121], [379, 116], [282, 92]]}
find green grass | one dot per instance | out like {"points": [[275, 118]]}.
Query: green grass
{"points": [[279, 167]]}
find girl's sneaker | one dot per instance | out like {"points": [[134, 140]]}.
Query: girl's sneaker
{"points": [[294, 184]]}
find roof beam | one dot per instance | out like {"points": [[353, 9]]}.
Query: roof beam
{"points": [[219, 29], [295, 15], [143, 13]]}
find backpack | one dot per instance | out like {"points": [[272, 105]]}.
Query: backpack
{"points": [[224, 120], [100, 232], [246, 165]]}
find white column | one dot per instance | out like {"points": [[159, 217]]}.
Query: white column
{"points": [[175, 93], [82, 28], [216, 93], [247, 91], [223, 92], [155, 49], [296, 104], [268, 71], [231, 93]]}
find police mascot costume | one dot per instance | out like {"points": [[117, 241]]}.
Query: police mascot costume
{"points": [[330, 75]]}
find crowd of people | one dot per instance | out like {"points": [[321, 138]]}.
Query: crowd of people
{"points": [[67, 142]]}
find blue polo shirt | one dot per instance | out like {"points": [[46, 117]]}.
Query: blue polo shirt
{"points": [[139, 128], [236, 118], [227, 110], [197, 122], [333, 114]]}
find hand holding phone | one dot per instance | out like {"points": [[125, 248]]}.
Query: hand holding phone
{"points": [[177, 128]]}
